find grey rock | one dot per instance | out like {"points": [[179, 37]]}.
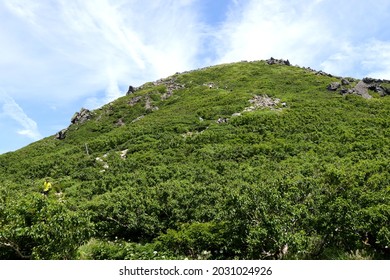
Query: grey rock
{"points": [[369, 80], [278, 61], [321, 73], [137, 119], [171, 86], [81, 117], [60, 135], [344, 82], [262, 101], [120, 122], [377, 85], [386, 90], [131, 90], [382, 91], [74, 117], [333, 86], [362, 89], [222, 120], [134, 100]]}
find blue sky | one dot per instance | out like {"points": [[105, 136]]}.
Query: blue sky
{"points": [[59, 56]]}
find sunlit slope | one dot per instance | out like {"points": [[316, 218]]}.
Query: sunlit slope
{"points": [[245, 160]]}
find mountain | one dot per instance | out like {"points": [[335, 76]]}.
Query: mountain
{"points": [[249, 160]]}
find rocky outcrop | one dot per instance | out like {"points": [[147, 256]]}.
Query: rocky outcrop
{"points": [[169, 83], [81, 117], [344, 87], [77, 118], [378, 85], [262, 101], [134, 100], [171, 86], [361, 88], [60, 135], [369, 80], [131, 90], [320, 72], [149, 106], [278, 61], [344, 82], [334, 86]]}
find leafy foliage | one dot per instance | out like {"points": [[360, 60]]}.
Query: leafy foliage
{"points": [[183, 175]]}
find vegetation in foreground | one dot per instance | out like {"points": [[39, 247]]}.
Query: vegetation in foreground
{"points": [[236, 161]]}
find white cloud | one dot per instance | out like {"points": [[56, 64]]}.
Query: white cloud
{"points": [[93, 45], [333, 35], [371, 59], [377, 59], [262, 29], [12, 110]]}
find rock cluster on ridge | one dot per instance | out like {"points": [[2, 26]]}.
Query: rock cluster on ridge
{"points": [[361, 88], [77, 118], [278, 61], [81, 117]]}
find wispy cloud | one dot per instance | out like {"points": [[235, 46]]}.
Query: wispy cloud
{"points": [[107, 44], [10, 109], [344, 39], [371, 58]]}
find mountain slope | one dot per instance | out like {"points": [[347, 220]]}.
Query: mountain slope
{"points": [[245, 160]]}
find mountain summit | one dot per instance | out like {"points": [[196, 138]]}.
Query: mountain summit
{"points": [[249, 160]]}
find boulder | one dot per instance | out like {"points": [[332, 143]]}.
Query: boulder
{"points": [[60, 135], [369, 80], [362, 89], [333, 86], [131, 90], [74, 117], [344, 82], [377, 85], [222, 120], [81, 117]]}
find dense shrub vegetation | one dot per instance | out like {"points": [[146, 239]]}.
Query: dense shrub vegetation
{"points": [[306, 180]]}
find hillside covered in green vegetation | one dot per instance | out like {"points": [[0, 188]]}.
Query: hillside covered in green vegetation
{"points": [[250, 160]]}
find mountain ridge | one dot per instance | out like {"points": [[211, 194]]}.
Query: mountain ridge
{"points": [[381, 86], [224, 162]]}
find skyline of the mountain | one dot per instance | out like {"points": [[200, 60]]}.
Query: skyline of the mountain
{"points": [[60, 56]]}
